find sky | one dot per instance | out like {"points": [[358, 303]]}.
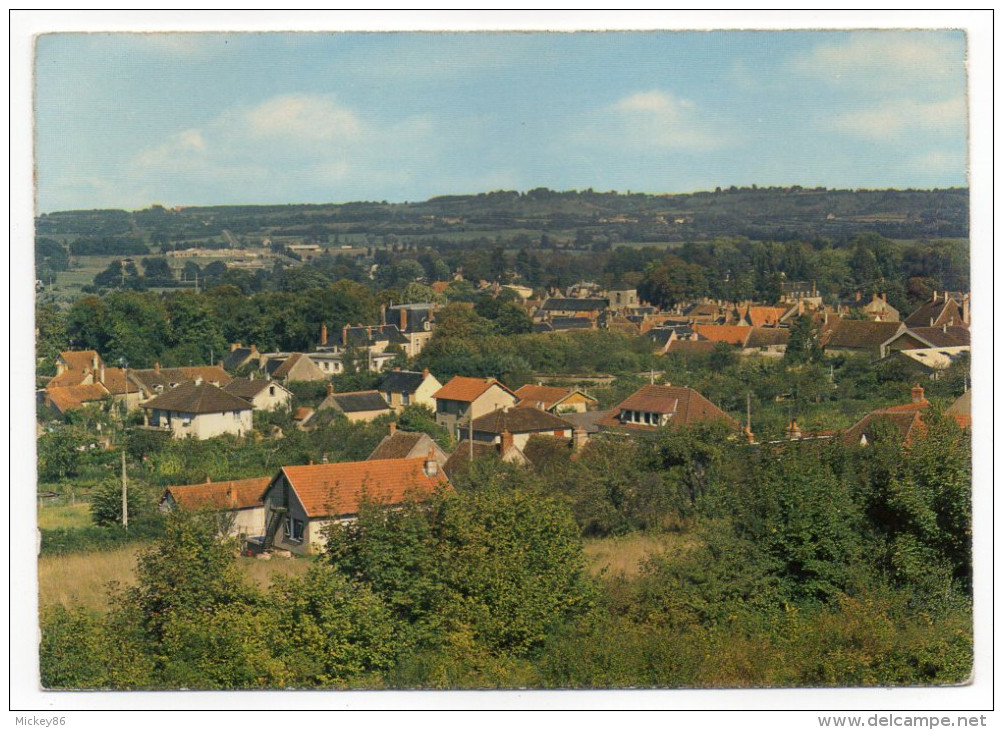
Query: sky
{"points": [[127, 120]]}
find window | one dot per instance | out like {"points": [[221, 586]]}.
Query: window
{"points": [[294, 529], [271, 390], [406, 398]]}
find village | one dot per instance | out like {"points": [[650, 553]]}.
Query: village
{"points": [[287, 510]]}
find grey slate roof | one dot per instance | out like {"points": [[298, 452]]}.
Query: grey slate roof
{"points": [[401, 381], [362, 400], [588, 304]]}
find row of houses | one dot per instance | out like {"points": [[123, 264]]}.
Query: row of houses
{"points": [[291, 509]]}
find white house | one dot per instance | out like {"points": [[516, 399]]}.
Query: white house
{"points": [[199, 410]]}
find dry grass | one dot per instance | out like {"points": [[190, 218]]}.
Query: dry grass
{"points": [[82, 578], [263, 572], [57, 516], [624, 555]]}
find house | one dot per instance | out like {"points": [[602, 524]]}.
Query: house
{"points": [[655, 406], [300, 501], [942, 309], [407, 445], [359, 406], [563, 324], [294, 367], [302, 416], [687, 348], [879, 310], [851, 336], [261, 393], [759, 316], [961, 410], [157, 380], [464, 399], [930, 361], [917, 338], [200, 410], [518, 424], [415, 321], [622, 299], [240, 357], [770, 341], [62, 399], [554, 399], [469, 451], [402, 388], [240, 498], [82, 378], [587, 307], [906, 419], [730, 334]]}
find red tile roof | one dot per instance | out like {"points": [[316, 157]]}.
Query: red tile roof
{"points": [[690, 347], [327, 490], [732, 334], [233, 494], [686, 405], [80, 359], [546, 394], [466, 389], [74, 396], [760, 316]]}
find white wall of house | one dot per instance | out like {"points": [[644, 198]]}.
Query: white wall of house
{"points": [[203, 425], [274, 397], [423, 395]]}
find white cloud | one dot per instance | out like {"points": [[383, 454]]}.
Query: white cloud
{"points": [[303, 117], [898, 118], [654, 120], [883, 61]]}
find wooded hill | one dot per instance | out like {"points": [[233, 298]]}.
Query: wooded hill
{"points": [[775, 214]]}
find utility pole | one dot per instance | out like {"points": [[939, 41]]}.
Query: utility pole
{"points": [[125, 493], [748, 411], [470, 431]]}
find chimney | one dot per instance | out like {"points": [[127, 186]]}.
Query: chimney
{"points": [[393, 427], [579, 437], [344, 335], [220, 364], [431, 465], [793, 430], [917, 394], [101, 373], [749, 435], [94, 363], [330, 388], [403, 324], [874, 296], [424, 373], [323, 334], [884, 297], [323, 459], [231, 498], [234, 346], [506, 441], [965, 315], [310, 463], [858, 296], [207, 479], [254, 349], [156, 367], [383, 314]]}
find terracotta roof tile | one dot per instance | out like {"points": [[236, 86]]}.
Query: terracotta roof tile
{"points": [[74, 396], [727, 333], [233, 494], [690, 347], [685, 405], [760, 316], [546, 394], [860, 334], [462, 388], [327, 490]]}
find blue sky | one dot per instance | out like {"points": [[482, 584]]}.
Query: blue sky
{"points": [[127, 120]]}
